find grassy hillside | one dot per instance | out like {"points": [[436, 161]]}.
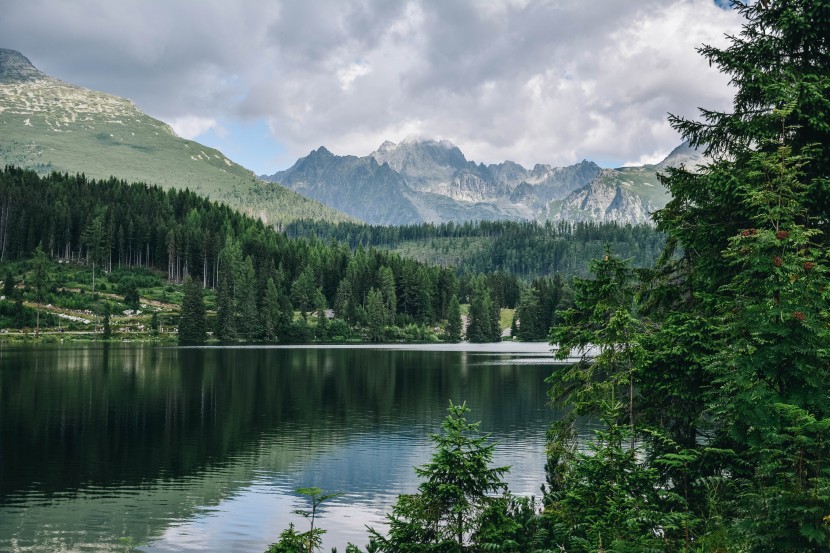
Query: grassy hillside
{"points": [[48, 125]]}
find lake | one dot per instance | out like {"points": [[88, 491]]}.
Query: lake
{"points": [[154, 449]]}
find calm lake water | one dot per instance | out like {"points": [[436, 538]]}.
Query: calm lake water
{"points": [[177, 449]]}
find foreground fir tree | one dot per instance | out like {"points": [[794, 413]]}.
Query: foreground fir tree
{"points": [[603, 331], [455, 502], [730, 400], [752, 227]]}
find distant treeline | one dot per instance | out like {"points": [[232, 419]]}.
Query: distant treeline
{"points": [[260, 276], [527, 249]]}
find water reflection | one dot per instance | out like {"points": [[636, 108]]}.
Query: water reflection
{"points": [[175, 449]]}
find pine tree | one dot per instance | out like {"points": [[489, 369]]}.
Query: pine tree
{"points": [[531, 319], [453, 332], [131, 297], [304, 291], [344, 302], [95, 239], [245, 294], [270, 315], [495, 321], [376, 315], [480, 325], [226, 324], [321, 331], [192, 322], [752, 227], [387, 289], [40, 275], [456, 493]]}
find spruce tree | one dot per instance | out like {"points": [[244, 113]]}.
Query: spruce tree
{"points": [[270, 315], [480, 325], [456, 494], [723, 348], [245, 294], [453, 332], [387, 288], [226, 324], [344, 302], [376, 315], [192, 323], [530, 316], [40, 275]]}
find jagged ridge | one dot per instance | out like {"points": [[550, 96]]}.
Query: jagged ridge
{"points": [[432, 181]]}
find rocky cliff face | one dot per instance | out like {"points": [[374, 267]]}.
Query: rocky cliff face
{"points": [[16, 68], [358, 186], [432, 181], [605, 199]]}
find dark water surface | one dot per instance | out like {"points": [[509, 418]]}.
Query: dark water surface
{"points": [[163, 449]]}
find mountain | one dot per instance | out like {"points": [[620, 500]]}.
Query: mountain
{"points": [[49, 125], [358, 186], [432, 181]]}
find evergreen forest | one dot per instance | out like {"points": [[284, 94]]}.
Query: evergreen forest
{"points": [[526, 249], [171, 260]]}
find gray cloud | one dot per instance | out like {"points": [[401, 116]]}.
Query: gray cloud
{"points": [[533, 81]]}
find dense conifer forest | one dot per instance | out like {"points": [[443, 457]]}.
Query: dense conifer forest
{"points": [[260, 284], [260, 277], [526, 249], [256, 280]]}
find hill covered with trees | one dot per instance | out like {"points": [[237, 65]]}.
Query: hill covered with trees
{"points": [[525, 249], [243, 280]]}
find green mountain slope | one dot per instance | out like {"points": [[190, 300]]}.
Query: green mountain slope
{"points": [[49, 125]]}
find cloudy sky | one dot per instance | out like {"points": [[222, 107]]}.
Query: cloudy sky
{"points": [[547, 81]]}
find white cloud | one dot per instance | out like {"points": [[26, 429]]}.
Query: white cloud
{"points": [[191, 126], [527, 80], [348, 75]]}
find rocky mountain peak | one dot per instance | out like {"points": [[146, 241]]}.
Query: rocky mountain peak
{"points": [[387, 147], [683, 155], [15, 67]]}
